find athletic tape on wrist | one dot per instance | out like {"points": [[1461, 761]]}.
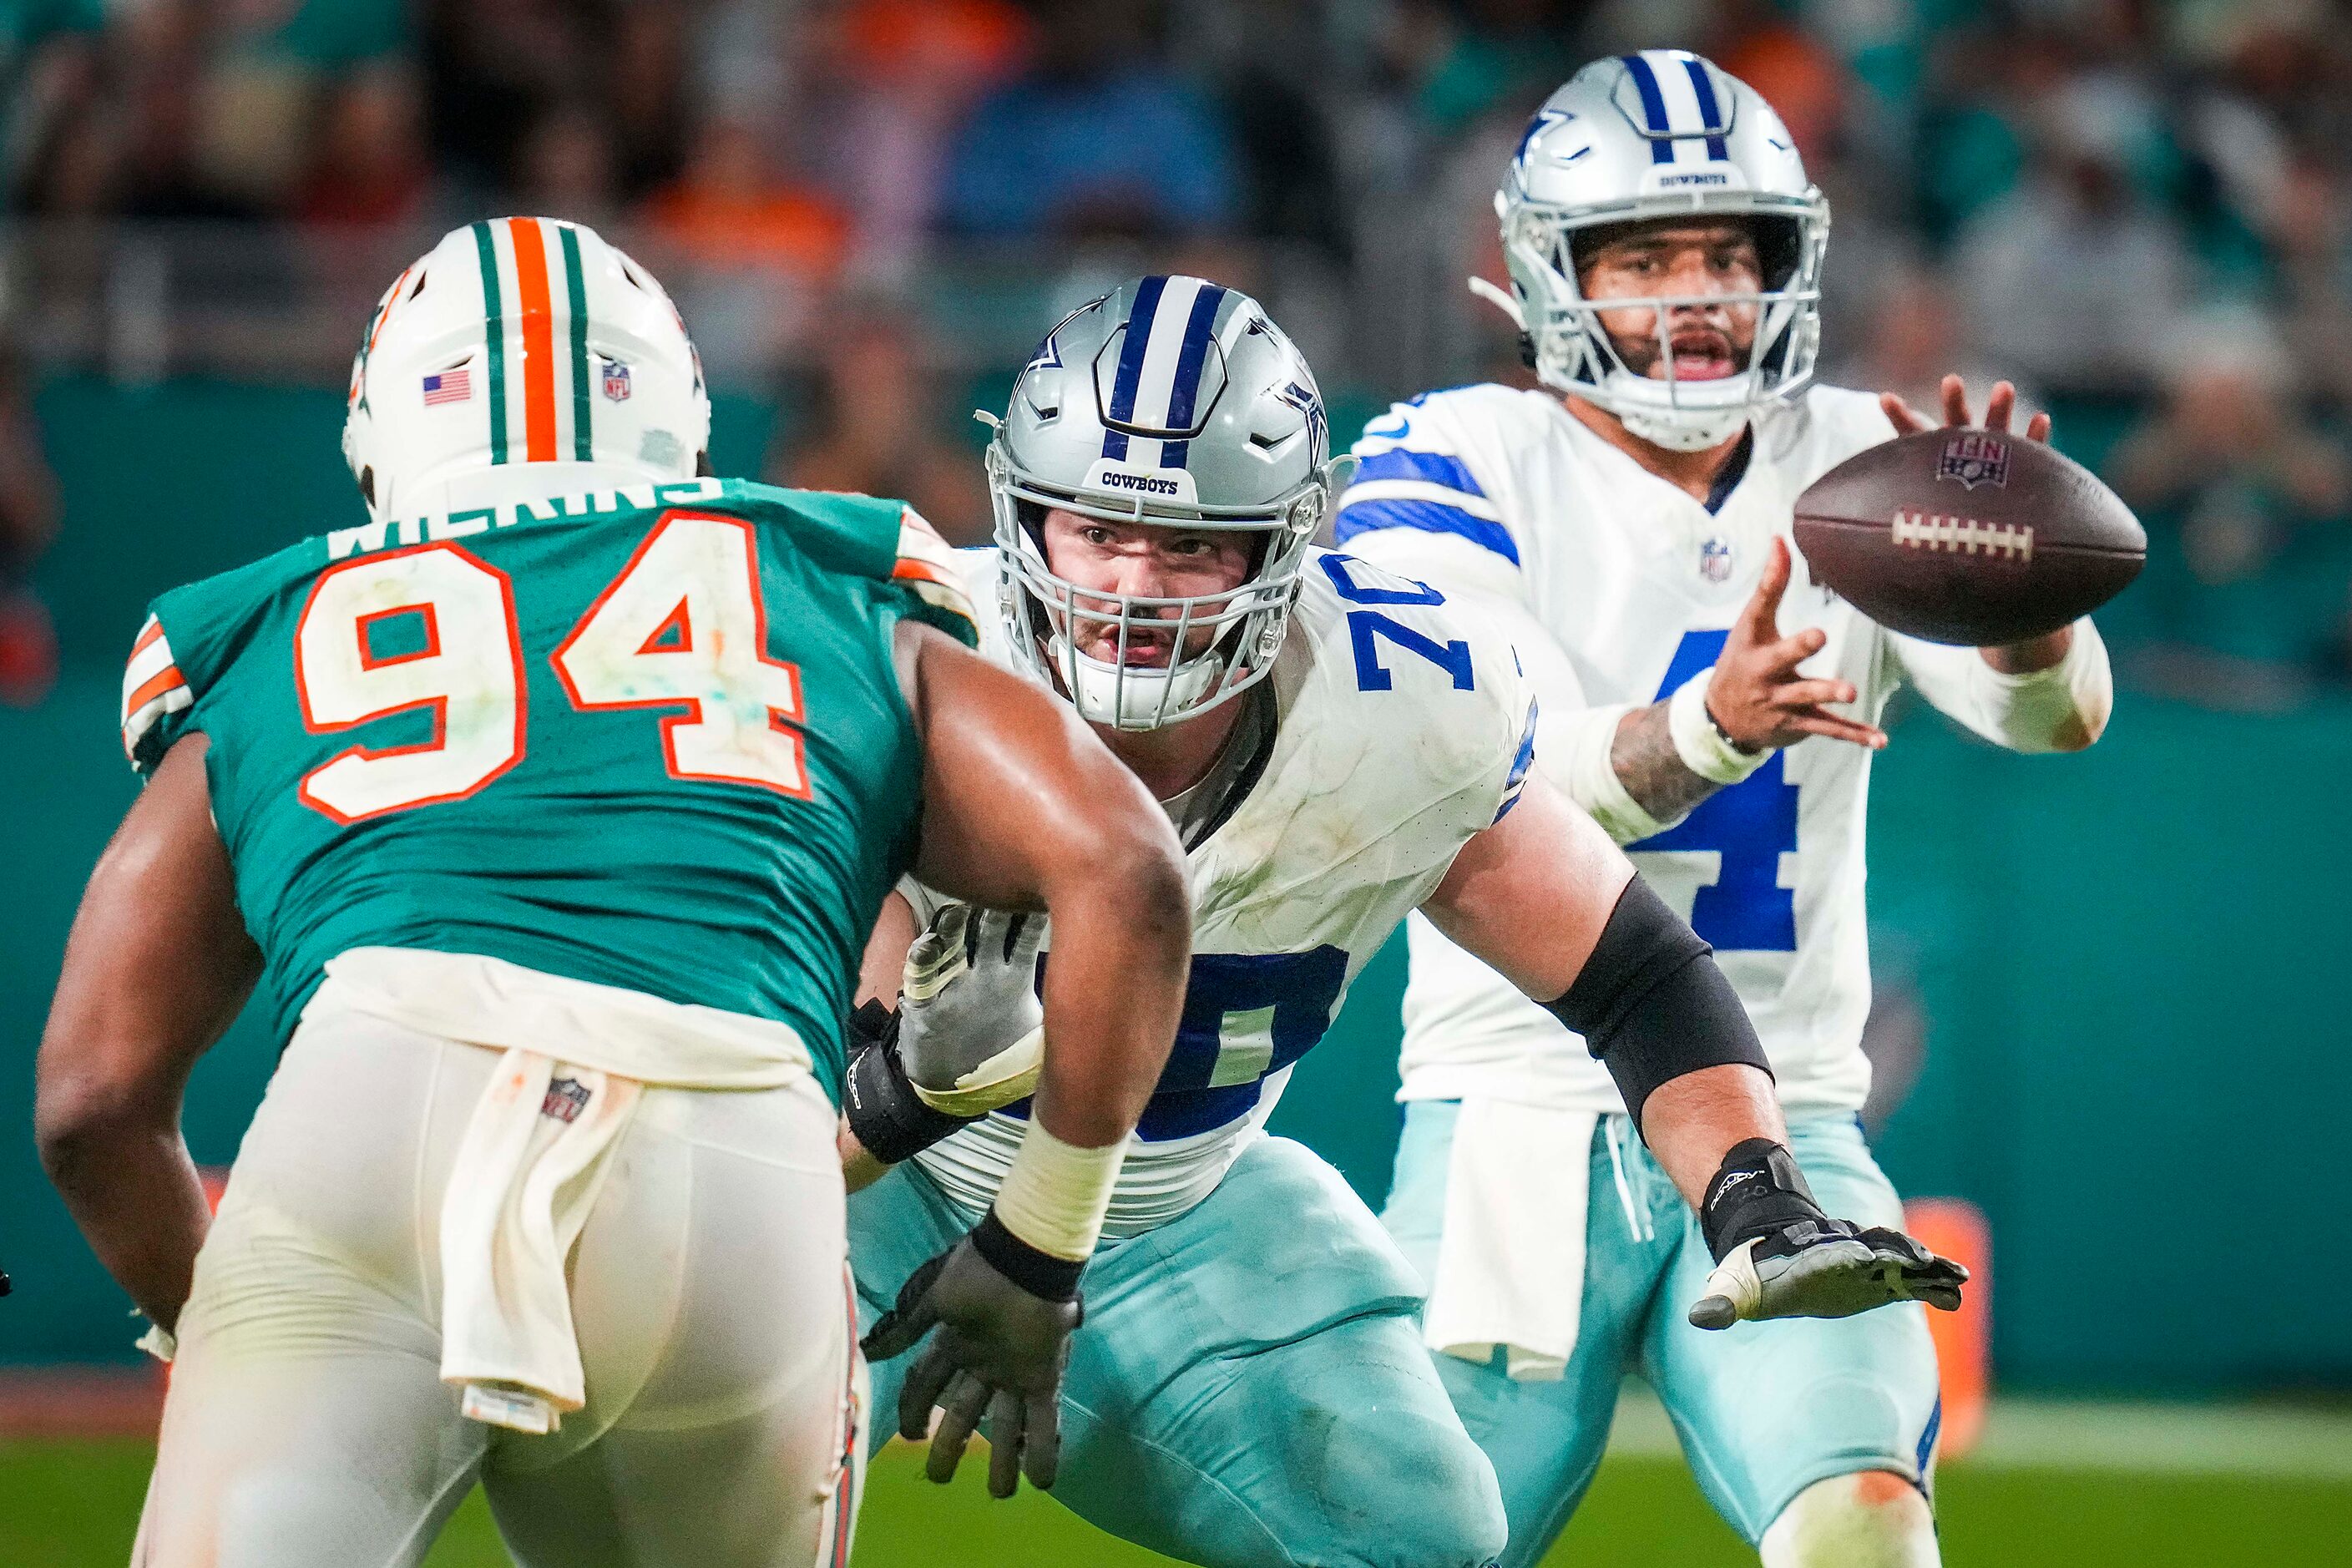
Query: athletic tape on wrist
{"points": [[1042, 1275], [1056, 1194], [1703, 747]]}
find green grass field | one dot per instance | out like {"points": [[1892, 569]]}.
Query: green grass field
{"points": [[2206, 1489]]}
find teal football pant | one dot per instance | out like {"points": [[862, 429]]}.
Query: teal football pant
{"points": [[1763, 1410], [1249, 1387]]}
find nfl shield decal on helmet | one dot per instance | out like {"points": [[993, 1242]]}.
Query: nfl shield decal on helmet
{"points": [[1975, 457], [1715, 559], [616, 382]]}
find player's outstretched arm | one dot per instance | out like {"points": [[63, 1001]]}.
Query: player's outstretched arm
{"points": [[157, 967], [1549, 901], [1023, 809]]}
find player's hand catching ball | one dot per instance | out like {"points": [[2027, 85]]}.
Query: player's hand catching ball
{"points": [[1777, 1255], [1757, 697], [2001, 409], [1005, 1313]]}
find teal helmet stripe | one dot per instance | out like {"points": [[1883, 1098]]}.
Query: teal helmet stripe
{"points": [[494, 310], [575, 290]]}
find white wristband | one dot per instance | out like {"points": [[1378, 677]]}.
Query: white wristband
{"points": [[1056, 1194], [1702, 746]]}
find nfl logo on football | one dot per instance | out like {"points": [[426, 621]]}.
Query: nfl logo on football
{"points": [[1715, 560], [617, 381], [1975, 458]]}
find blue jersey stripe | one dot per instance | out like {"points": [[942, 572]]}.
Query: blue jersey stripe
{"points": [[1653, 106], [1430, 468], [1130, 362], [1523, 759], [1927, 1438], [1199, 329], [1430, 517], [1710, 114]]}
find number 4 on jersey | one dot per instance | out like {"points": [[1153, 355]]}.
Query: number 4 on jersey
{"points": [[683, 624], [1749, 825]]}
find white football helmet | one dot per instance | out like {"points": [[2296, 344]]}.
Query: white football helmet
{"points": [[522, 340], [1177, 402], [1635, 138]]}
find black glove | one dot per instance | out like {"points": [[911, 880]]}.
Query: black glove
{"points": [[886, 1115], [1005, 1312], [1779, 1256]]}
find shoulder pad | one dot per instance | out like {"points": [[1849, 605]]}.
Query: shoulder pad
{"points": [[928, 565], [153, 690]]}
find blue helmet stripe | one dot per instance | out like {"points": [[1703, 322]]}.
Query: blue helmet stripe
{"points": [[1199, 329], [1653, 106], [1709, 114], [1130, 362]]}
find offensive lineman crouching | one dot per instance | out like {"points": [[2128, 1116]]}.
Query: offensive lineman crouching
{"points": [[1335, 747]]}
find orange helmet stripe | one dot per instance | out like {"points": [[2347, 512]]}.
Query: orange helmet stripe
{"points": [[532, 293]]}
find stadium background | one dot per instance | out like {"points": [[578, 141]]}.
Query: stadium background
{"points": [[2108, 1015]]}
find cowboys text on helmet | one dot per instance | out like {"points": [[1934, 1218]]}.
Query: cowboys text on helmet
{"points": [[1662, 134], [1171, 402]]}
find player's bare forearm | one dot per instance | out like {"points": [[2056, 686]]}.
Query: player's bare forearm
{"points": [[157, 967], [1644, 756], [859, 1169], [1692, 1121], [1113, 994], [1024, 808]]}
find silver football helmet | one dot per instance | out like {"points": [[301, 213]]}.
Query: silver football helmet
{"points": [[1660, 134], [1176, 402]]}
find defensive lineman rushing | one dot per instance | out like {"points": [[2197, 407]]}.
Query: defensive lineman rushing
{"points": [[1335, 749], [545, 1188], [1630, 526]]}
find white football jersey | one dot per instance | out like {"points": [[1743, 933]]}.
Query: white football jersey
{"points": [[1399, 732], [1617, 587]]}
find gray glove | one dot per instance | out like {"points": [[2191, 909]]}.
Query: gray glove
{"points": [[1779, 1256], [971, 1032], [1005, 1312]]}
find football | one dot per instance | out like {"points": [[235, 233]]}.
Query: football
{"points": [[1968, 536]]}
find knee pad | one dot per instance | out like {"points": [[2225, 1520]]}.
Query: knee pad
{"points": [[1435, 1503], [1872, 1519]]}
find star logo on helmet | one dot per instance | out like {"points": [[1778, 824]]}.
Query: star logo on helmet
{"points": [[1545, 120], [1048, 355]]}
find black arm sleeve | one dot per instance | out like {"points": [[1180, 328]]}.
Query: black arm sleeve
{"points": [[1651, 1002], [886, 1115]]}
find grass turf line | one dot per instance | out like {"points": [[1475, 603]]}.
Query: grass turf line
{"points": [[74, 1504]]}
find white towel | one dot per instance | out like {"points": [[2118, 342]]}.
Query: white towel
{"points": [[523, 1181], [1510, 1262], [537, 1147]]}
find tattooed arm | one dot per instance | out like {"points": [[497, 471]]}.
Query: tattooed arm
{"points": [[1755, 700]]}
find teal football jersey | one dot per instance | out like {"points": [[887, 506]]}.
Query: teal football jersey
{"points": [[651, 737]]}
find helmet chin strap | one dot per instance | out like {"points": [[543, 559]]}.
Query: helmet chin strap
{"points": [[1686, 431], [1132, 696]]}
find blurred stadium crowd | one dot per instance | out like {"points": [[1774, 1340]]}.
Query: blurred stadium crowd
{"points": [[2140, 209]]}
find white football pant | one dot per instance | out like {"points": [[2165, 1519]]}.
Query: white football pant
{"points": [[308, 1423]]}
